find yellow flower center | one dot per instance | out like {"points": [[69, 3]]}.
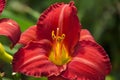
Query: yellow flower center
{"points": [[59, 54]]}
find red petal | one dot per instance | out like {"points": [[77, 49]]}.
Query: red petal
{"points": [[2, 5], [32, 60], [90, 63], [10, 29], [48, 21], [85, 35], [64, 17], [28, 35], [70, 26]]}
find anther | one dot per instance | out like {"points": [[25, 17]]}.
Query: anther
{"points": [[53, 35], [63, 36]]}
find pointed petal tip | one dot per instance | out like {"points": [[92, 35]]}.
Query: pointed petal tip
{"points": [[28, 35], [71, 3], [86, 35], [2, 5]]}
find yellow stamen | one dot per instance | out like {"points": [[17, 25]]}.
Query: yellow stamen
{"points": [[59, 54]]}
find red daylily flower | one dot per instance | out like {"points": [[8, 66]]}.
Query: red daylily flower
{"points": [[59, 49], [9, 27]]}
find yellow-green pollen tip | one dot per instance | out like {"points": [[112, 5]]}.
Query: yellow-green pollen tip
{"points": [[59, 54]]}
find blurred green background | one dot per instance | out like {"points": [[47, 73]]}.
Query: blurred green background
{"points": [[101, 17]]}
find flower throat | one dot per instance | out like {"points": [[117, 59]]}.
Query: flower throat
{"points": [[59, 54]]}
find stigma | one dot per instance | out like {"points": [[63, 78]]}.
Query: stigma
{"points": [[59, 54]]}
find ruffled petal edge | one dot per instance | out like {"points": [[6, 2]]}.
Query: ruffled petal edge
{"points": [[90, 62]]}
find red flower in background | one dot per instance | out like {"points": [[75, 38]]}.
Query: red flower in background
{"points": [[2, 5], [9, 27], [59, 49]]}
